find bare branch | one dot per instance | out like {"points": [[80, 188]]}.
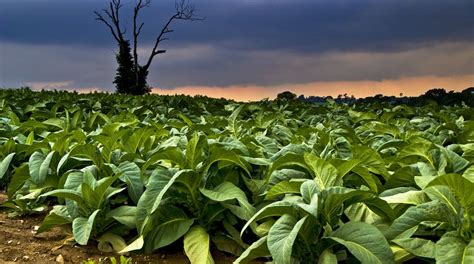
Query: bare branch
{"points": [[184, 11], [99, 17], [136, 32], [112, 20]]}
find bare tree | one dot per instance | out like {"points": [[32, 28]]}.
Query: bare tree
{"points": [[131, 76]]}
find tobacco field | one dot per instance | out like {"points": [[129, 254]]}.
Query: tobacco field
{"points": [[276, 181]]}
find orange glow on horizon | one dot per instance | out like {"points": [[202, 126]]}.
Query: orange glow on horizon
{"points": [[409, 86]]}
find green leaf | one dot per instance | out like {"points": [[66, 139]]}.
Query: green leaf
{"points": [[287, 160], [196, 246], [421, 150], [431, 211], [135, 245], [365, 242], [308, 190], [278, 208], [131, 175], [327, 257], [417, 246], [57, 216], [345, 167], [39, 166], [233, 122], [452, 249], [169, 224], [227, 244], [160, 180], [413, 197], [281, 188], [65, 193], [281, 237], [325, 174], [82, 228], [228, 191], [195, 150], [256, 250], [220, 154], [5, 163], [166, 187], [20, 176], [109, 242], [461, 186], [124, 215]]}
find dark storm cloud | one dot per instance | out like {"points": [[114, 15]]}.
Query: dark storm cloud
{"points": [[299, 26]]}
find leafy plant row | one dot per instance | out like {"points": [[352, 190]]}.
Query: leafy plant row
{"points": [[285, 181]]}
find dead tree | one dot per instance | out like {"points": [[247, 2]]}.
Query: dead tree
{"points": [[131, 77]]}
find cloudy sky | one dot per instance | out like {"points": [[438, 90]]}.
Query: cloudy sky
{"points": [[249, 49]]}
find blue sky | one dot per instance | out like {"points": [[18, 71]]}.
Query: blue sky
{"points": [[261, 44]]}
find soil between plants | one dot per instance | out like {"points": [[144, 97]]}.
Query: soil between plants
{"points": [[19, 243]]}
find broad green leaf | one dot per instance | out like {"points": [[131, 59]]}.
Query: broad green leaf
{"points": [[169, 224], [281, 188], [226, 244], [131, 175], [39, 166], [370, 159], [421, 150], [109, 242], [195, 150], [57, 216], [282, 236], [431, 211], [171, 155], [135, 245], [456, 162], [5, 163], [345, 167], [444, 195], [228, 191], [19, 178], [461, 187], [197, 246], [327, 257], [452, 249], [308, 190], [287, 160], [417, 246], [159, 179], [124, 214], [82, 228], [274, 209], [324, 173], [166, 187], [360, 212], [256, 250], [365, 242], [469, 173], [233, 122], [408, 197], [67, 194], [219, 154]]}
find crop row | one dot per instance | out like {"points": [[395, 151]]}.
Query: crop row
{"points": [[285, 180]]}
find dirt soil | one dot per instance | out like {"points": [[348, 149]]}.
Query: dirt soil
{"points": [[19, 243]]}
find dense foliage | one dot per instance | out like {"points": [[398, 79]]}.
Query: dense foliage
{"points": [[437, 96], [286, 181]]}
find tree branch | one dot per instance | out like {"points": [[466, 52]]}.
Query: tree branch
{"points": [[113, 21], [99, 17], [136, 32], [184, 11]]}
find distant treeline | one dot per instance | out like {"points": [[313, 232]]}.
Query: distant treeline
{"points": [[438, 95]]}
